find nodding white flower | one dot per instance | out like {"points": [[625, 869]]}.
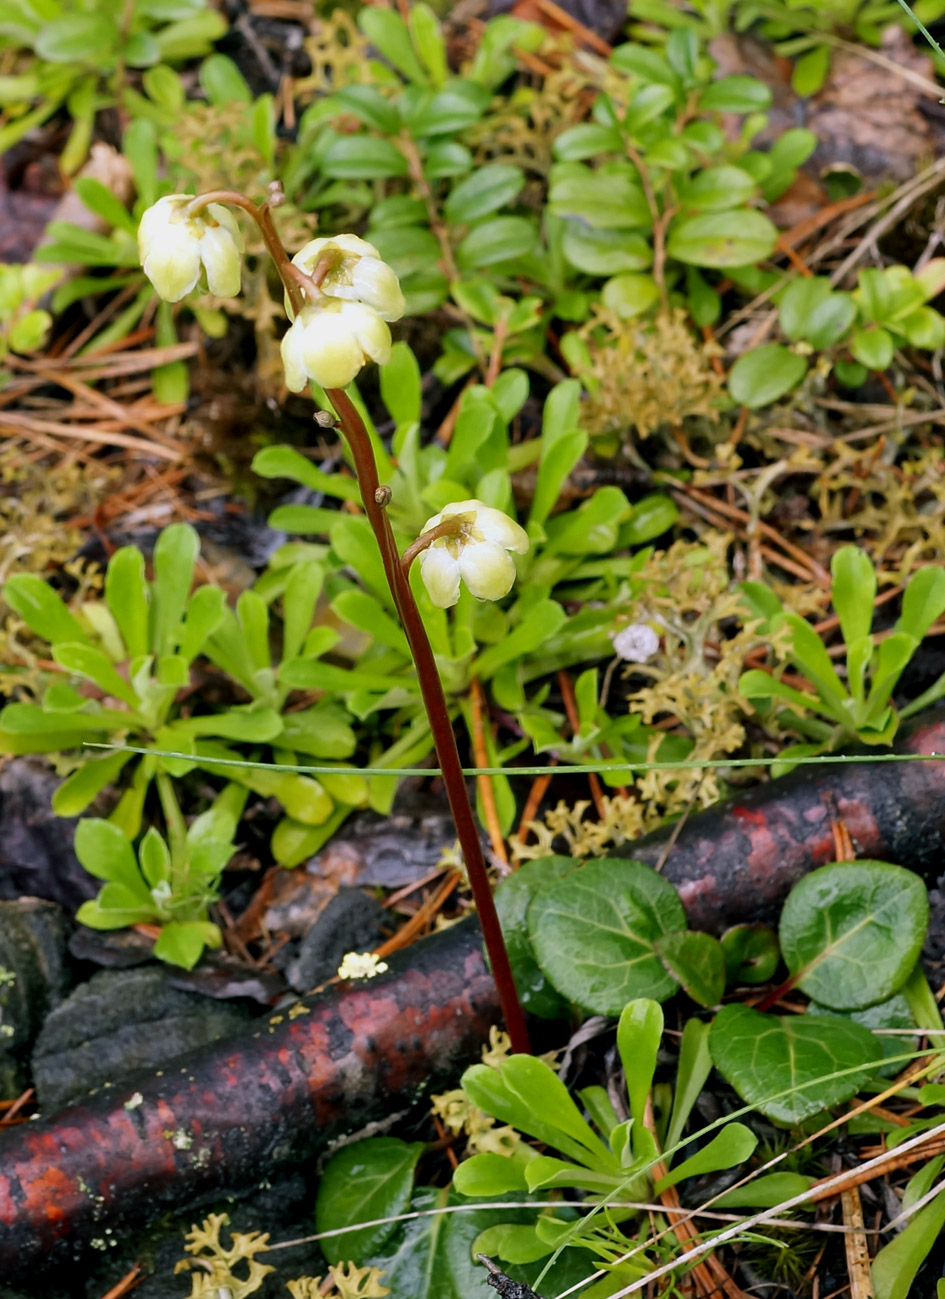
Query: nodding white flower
{"points": [[358, 274], [330, 342], [361, 965], [478, 552], [174, 244]]}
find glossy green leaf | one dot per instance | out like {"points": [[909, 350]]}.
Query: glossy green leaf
{"points": [[97, 667], [610, 198], [923, 601], [594, 934], [764, 375], [369, 106], [717, 189], [872, 347], [486, 190], [127, 594], [639, 1033], [852, 932], [765, 1192], [105, 851], [388, 31], [500, 240], [697, 962], [786, 1067], [512, 899], [752, 953], [736, 95], [739, 238], [181, 942], [84, 785], [896, 1265], [733, 1145], [605, 252], [854, 591], [78, 38], [810, 71], [363, 157], [630, 294], [368, 1180], [586, 141]]}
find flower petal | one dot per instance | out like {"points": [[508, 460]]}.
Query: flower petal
{"points": [[172, 264], [374, 283], [369, 329], [497, 527], [440, 575], [293, 358], [487, 569], [220, 255]]}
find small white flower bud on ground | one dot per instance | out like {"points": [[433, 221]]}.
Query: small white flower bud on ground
{"points": [[636, 643], [361, 965], [330, 342], [358, 274], [174, 245], [478, 553]]}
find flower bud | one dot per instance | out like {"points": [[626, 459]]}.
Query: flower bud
{"points": [[357, 275], [174, 244], [477, 553], [330, 342]]}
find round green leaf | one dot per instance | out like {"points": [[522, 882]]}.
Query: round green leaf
{"points": [[630, 294], [736, 95], [751, 953], [594, 933], [763, 1057], [512, 899], [765, 374], [368, 1180], [852, 932], [697, 962], [736, 238], [872, 348]]}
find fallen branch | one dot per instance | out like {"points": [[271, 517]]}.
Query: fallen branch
{"points": [[237, 1112], [737, 862], [230, 1116]]}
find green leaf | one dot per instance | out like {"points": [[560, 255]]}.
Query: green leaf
{"points": [[694, 1067], [96, 667], [854, 592], [322, 732], [697, 962], [895, 1266], [222, 81], [370, 1179], [98, 198], [852, 932], [42, 610], [923, 602], [78, 38], [810, 71], [457, 106], [751, 953], [610, 198], [652, 516], [512, 899], [732, 1146], [499, 240], [401, 387], [604, 252], [489, 1175], [763, 1056], [586, 141], [155, 858], [811, 310], [428, 41], [594, 934], [764, 375], [718, 189], [486, 190], [175, 554], [286, 462], [363, 157], [630, 294], [126, 593], [765, 1192], [388, 31], [181, 942], [539, 624], [739, 238], [872, 347], [639, 1033], [79, 789], [206, 610], [105, 851], [735, 95]]}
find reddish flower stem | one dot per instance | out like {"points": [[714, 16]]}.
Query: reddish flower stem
{"points": [[434, 701]]}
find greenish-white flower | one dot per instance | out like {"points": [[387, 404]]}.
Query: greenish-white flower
{"points": [[478, 553], [330, 342], [174, 244], [357, 275]]}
